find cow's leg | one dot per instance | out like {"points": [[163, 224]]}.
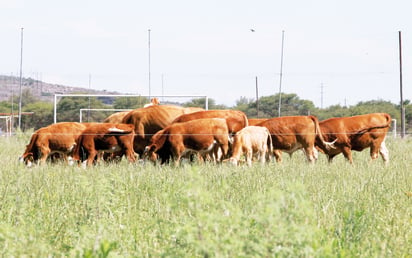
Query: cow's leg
{"points": [[130, 154], [44, 152], [384, 152], [177, 154], [262, 156], [310, 156], [225, 151], [92, 156], [249, 157], [348, 154]]}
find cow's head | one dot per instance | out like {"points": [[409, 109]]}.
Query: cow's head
{"points": [[149, 153], [27, 159]]}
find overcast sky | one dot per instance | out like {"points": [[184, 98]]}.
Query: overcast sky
{"points": [[208, 48]]}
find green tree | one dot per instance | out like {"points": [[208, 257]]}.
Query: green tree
{"points": [[375, 106], [5, 107], [332, 111], [27, 97], [201, 102], [130, 102], [42, 115], [68, 109], [291, 105]]}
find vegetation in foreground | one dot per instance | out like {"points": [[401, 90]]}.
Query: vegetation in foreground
{"points": [[290, 209]]}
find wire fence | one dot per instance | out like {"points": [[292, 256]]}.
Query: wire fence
{"points": [[108, 133]]}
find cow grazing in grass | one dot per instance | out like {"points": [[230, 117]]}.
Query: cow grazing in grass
{"points": [[356, 133], [56, 138], [291, 133], [104, 137], [201, 136], [252, 141], [148, 121]]}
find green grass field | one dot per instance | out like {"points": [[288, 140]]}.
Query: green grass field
{"points": [[292, 209]]}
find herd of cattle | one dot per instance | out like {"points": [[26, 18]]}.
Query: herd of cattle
{"points": [[168, 133]]}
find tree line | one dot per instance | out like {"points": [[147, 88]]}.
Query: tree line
{"points": [[267, 107]]}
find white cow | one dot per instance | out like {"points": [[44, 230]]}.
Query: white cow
{"points": [[252, 141]]}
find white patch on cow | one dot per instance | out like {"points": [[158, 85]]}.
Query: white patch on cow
{"points": [[29, 164], [384, 152], [71, 148], [70, 160], [115, 130], [115, 148]]}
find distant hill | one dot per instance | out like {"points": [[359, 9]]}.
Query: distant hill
{"points": [[10, 85]]}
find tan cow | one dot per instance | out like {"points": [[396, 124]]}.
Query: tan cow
{"points": [[104, 137], [255, 121], [153, 102], [356, 133], [116, 117], [148, 121], [56, 138], [200, 135], [252, 141], [291, 133]]}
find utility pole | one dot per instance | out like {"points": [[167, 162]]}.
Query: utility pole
{"points": [[281, 73], [21, 76], [149, 63], [400, 86], [321, 95], [89, 104], [257, 97]]}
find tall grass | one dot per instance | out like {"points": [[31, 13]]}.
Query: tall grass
{"points": [[289, 209]]}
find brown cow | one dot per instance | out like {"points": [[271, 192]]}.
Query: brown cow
{"points": [[235, 119], [200, 135], [116, 117], [291, 133], [56, 138], [148, 121], [252, 141], [356, 133], [255, 121], [104, 137]]}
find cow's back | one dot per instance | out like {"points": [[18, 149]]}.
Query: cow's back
{"points": [[116, 118], [289, 130], [235, 119]]}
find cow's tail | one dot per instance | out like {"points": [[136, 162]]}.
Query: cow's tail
{"points": [[77, 149], [246, 121], [318, 132], [270, 146], [386, 124], [115, 130]]}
